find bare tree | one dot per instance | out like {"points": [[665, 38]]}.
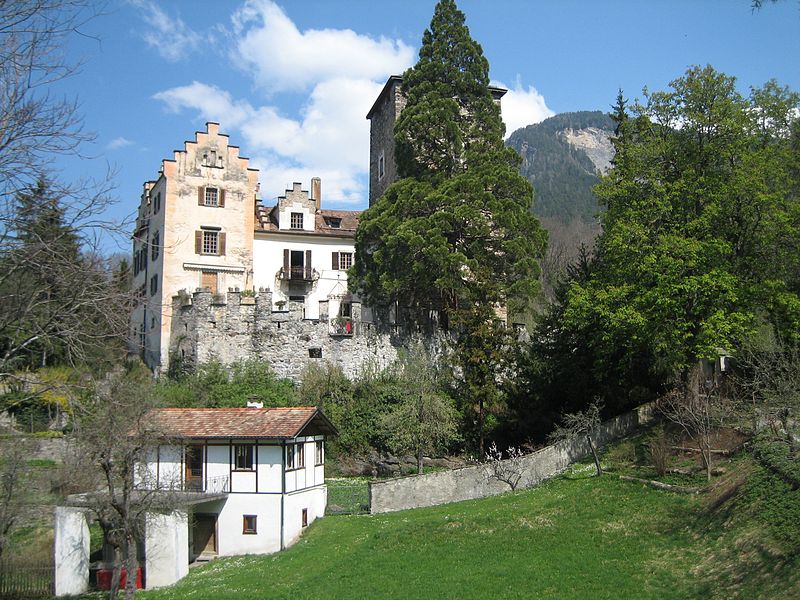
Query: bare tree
{"points": [[35, 126], [508, 470], [114, 435], [698, 408], [581, 424], [767, 384], [13, 466]]}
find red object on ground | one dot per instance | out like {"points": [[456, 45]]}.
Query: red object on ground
{"points": [[104, 579]]}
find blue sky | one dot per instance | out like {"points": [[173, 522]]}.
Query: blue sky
{"points": [[292, 81]]}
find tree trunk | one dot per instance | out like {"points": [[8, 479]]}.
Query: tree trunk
{"points": [[113, 592], [481, 452], [131, 568], [594, 455], [419, 460]]}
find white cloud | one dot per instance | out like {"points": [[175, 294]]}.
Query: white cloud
{"points": [[118, 143], [522, 107], [281, 57], [169, 36], [330, 140]]}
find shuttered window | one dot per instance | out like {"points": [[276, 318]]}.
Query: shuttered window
{"points": [[210, 196], [210, 242]]}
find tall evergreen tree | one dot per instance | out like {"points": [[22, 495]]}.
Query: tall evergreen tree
{"points": [[455, 235]]}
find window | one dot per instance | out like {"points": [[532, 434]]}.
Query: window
{"points": [[296, 220], [295, 456], [209, 240], [319, 452], [304, 517], [315, 353], [157, 203], [155, 245], [211, 197], [153, 285], [345, 260], [334, 222], [249, 524], [381, 166], [243, 457]]}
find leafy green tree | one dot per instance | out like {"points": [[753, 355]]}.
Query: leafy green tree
{"points": [[700, 235], [424, 420], [455, 235]]}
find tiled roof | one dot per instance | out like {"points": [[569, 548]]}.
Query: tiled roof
{"points": [[267, 220], [275, 423]]}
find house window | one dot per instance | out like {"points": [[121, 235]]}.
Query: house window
{"points": [[210, 240], [249, 524], [315, 353], [157, 203], [319, 452], [334, 223], [155, 245], [296, 220], [381, 166], [295, 456], [345, 260], [153, 285], [304, 517], [212, 196], [243, 457]]}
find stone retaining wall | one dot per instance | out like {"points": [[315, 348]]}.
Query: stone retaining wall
{"points": [[472, 482]]}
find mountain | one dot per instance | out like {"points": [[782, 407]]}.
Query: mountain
{"points": [[563, 157]]}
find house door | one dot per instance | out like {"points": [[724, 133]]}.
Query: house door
{"points": [[204, 535], [208, 279], [194, 468]]}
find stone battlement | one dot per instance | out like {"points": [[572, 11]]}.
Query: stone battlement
{"points": [[233, 327]]}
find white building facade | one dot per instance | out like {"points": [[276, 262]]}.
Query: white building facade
{"points": [[244, 481], [201, 225]]}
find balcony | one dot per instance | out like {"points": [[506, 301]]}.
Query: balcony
{"points": [[341, 327], [212, 485], [298, 274]]}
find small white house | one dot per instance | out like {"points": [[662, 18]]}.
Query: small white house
{"points": [[245, 480]]}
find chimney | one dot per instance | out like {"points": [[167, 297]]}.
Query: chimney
{"points": [[316, 191]]}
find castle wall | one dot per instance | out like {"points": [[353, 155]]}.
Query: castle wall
{"points": [[232, 328]]}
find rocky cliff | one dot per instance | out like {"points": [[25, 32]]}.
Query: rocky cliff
{"points": [[563, 157]]}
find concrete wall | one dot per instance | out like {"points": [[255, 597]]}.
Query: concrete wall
{"points": [[71, 551], [472, 482], [167, 544]]}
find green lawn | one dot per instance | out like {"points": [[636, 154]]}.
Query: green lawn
{"points": [[575, 537]]}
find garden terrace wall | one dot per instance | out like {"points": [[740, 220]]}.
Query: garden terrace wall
{"points": [[470, 483]]}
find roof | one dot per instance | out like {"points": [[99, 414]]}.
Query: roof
{"points": [[497, 92], [267, 220], [262, 423]]}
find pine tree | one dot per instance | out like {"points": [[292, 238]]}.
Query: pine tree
{"points": [[456, 235]]}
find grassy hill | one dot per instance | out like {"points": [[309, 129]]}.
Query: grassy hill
{"points": [[577, 536]]}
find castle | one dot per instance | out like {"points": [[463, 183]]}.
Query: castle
{"points": [[218, 275]]}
